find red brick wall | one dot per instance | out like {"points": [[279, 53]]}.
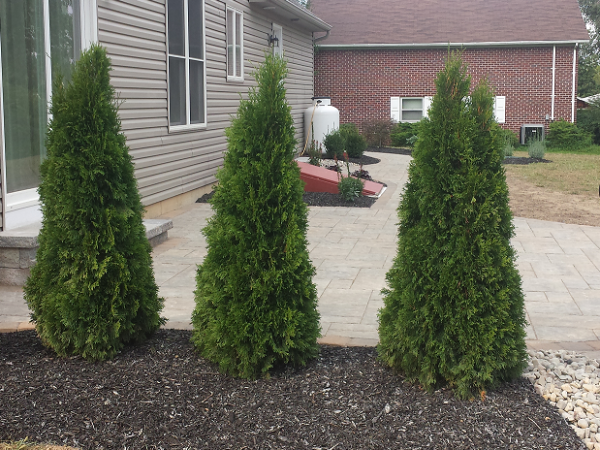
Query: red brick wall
{"points": [[361, 82]]}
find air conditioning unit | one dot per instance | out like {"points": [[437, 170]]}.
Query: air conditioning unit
{"points": [[530, 131]]}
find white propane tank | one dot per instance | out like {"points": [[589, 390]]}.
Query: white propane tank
{"points": [[325, 119]]}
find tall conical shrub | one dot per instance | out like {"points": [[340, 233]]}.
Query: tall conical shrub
{"points": [[255, 299], [92, 289], [453, 313]]}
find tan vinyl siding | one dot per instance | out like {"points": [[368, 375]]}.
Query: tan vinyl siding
{"points": [[172, 163]]}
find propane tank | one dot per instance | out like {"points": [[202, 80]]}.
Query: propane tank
{"points": [[320, 118]]}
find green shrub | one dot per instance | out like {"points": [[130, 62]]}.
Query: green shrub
{"points": [[589, 120], [354, 143], [256, 304], [334, 144], [403, 132], [508, 141], [536, 148], [92, 289], [453, 313], [377, 132], [567, 135], [350, 188]]}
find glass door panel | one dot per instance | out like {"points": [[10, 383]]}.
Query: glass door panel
{"points": [[24, 91]]}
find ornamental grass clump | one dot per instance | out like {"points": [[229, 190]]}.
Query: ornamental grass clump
{"points": [[92, 289], [453, 313], [256, 303], [536, 148]]}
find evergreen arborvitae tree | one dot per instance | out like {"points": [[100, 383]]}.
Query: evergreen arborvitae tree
{"points": [[256, 304], [92, 289], [453, 313]]}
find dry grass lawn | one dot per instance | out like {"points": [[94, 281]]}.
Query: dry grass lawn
{"points": [[23, 445], [565, 190]]}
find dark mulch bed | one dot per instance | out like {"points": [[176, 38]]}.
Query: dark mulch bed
{"points": [[523, 161], [318, 199], [364, 160], [395, 151], [162, 395]]}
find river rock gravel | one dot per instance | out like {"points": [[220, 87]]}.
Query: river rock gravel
{"points": [[162, 395]]}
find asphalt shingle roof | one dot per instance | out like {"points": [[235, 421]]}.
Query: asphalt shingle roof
{"points": [[406, 22]]}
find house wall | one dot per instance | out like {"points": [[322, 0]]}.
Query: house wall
{"points": [[361, 82], [169, 164]]}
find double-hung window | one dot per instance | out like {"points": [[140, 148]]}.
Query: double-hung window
{"points": [[187, 64], [410, 109], [235, 45]]}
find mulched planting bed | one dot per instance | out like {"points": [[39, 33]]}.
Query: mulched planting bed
{"points": [[162, 395], [523, 161], [394, 150], [318, 199]]}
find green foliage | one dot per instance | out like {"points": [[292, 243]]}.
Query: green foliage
{"points": [[92, 289], [567, 135], [588, 78], [508, 140], [403, 132], [354, 143], [334, 144], [315, 153], [377, 132], [454, 313], [536, 148], [350, 188], [256, 304], [589, 120]]}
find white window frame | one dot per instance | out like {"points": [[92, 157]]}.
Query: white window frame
{"points": [[500, 108], [278, 33], [187, 126], [396, 108], [237, 15], [89, 35]]}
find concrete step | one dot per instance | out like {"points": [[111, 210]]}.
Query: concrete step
{"points": [[18, 248]]}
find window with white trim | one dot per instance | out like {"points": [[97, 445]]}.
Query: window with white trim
{"points": [[187, 64], [500, 108], [235, 45], [409, 109]]}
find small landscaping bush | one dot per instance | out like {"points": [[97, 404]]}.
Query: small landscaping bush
{"points": [[402, 134], [354, 143], [508, 141], [589, 120], [350, 188], [536, 148], [92, 289], [567, 135], [454, 311], [377, 132], [256, 303], [334, 144]]}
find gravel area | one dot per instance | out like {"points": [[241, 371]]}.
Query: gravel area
{"points": [[162, 395]]}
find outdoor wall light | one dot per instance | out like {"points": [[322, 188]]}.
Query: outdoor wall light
{"points": [[273, 39]]}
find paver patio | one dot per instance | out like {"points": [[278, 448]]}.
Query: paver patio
{"points": [[353, 248]]}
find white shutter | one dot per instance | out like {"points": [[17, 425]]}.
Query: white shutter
{"points": [[500, 109], [395, 109], [426, 105]]}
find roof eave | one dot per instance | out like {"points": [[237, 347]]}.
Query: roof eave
{"points": [[300, 14], [451, 44]]}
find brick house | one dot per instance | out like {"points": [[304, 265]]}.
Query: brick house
{"points": [[381, 57]]}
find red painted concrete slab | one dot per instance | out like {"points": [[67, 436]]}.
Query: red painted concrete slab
{"points": [[320, 179]]}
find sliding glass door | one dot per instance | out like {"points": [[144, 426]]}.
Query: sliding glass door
{"points": [[38, 39]]}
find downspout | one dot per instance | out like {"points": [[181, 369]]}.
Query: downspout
{"points": [[553, 80], [322, 37], [573, 93]]}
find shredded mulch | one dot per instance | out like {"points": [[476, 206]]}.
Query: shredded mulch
{"points": [[318, 199], [523, 161], [162, 395], [392, 150]]}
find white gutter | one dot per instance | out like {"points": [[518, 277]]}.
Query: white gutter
{"points": [[299, 12], [553, 80], [573, 94], [452, 44]]}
